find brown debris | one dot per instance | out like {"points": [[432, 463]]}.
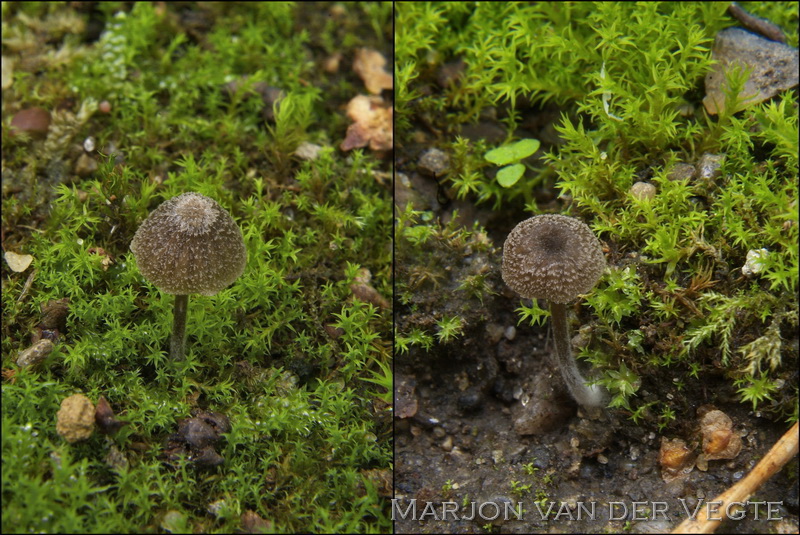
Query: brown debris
{"points": [[381, 478], [197, 437], [105, 419], [406, 403], [107, 258], [251, 522], [33, 121], [368, 64], [372, 124], [54, 314], [676, 459], [719, 439], [363, 291], [732, 500]]}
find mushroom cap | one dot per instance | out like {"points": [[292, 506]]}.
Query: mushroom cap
{"points": [[552, 257], [189, 244]]}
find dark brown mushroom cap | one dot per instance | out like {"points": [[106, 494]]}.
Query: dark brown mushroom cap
{"points": [[189, 244], [552, 257]]}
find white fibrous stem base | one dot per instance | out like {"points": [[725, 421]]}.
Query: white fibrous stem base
{"points": [[585, 395]]}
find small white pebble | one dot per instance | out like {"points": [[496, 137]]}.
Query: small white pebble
{"points": [[510, 333], [644, 191], [754, 262]]}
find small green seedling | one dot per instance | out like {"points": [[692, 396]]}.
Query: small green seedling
{"points": [[511, 154]]}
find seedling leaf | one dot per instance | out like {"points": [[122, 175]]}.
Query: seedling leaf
{"points": [[508, 176], [512, 153]]}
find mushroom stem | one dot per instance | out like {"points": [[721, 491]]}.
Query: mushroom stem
{"points": [[177, 344], [585, 395]]}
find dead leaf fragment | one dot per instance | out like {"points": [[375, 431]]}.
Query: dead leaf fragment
{"points": [[368, 64], [364, 291], [18, 262], [372, 124], [676, 459], [107, 259], [105, 419], [719, 439]]}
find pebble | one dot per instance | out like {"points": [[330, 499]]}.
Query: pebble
{"points": [[754, 262], [470, 401], [308, 151], [75, 419], [447, 444], [682, 171], [35, 354], [17, 262], [510, 333], [174, 522], [406, 403], [774, 68], [494, 332], [644, 191], [85, 166], [434, 162], [710, 165]]}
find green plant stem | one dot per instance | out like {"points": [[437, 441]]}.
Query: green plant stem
{"points": [[585, 395], [177, 345]]}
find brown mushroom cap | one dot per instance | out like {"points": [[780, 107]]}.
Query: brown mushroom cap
{"points": [[552, 257], [189, 244]]}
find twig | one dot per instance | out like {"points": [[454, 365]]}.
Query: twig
{"points": [[781, 453], [756, 24]]}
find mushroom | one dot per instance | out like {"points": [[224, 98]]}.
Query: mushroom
{"points": [[556, 257], [189, 244]]}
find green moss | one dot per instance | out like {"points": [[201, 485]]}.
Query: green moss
{"points": [[300, 365]]}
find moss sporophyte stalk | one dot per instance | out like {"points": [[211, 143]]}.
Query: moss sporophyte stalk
{"points": [[189, 244]]}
